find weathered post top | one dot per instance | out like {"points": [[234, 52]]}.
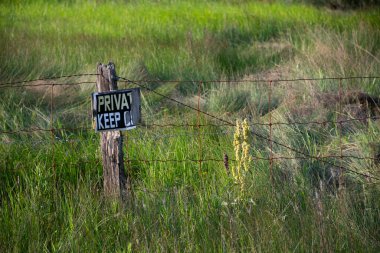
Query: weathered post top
{"points": [[107, 78]]}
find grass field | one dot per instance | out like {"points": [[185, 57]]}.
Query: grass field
{"points": [[51, 191]]}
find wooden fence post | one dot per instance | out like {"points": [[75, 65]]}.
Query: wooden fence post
{"points": [[116, 182]]}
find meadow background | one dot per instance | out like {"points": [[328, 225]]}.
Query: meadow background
{"points": [[51, 191]]}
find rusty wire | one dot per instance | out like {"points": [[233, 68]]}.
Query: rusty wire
{"points": [[318, 157], [154, 125], [52, 129], [251, 80], [223, 122], [265, 138], [47, 84], [270, 132], [10, 84], [45, 79]]}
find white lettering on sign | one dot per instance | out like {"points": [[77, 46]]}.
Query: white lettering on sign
{"points": [[100, 102], [106, 120], [110, 120], [100, 120], [117, 102], [114, 110], [128, 119], [108, 103], [117, 118]]}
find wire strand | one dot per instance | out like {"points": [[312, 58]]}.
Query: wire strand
{"points": [[254, 133], [47, 78]]}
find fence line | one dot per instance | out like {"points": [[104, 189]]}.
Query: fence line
{"points": [[223, 122], [28, 130], [254, 80], [46, 84], [47, 79], [175, 136], [269, 139], [9, 84]]}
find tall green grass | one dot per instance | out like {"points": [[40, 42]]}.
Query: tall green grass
{"points": [[51, 182], [175, 206], [206, 40]]}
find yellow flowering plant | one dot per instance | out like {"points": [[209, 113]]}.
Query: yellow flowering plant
{"points": [[241, 147]]}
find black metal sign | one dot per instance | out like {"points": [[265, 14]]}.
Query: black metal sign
{"points": [[116, 110]]}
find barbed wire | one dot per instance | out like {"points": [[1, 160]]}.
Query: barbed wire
{"points": [[46, 84], [194, 125], [326, 122], [38, 129], [141, 138], [9, 84], [48, 78], [269, 139], [251, 80], [257, 158], [224, 122]]}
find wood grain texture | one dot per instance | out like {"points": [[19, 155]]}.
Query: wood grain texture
{"points": [[116, 184]]}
